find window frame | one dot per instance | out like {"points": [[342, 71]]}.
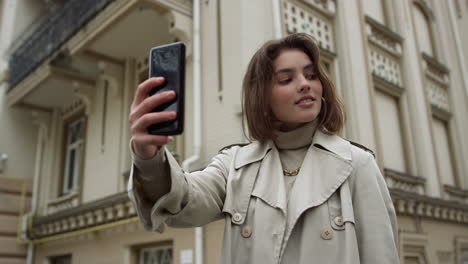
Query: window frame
{"points": [[53, 259], [136, 250], [429, 19], [79, 115]]}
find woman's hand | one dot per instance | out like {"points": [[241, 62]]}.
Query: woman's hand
{"points": [[145, 145]]}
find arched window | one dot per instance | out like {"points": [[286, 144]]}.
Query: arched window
{"points": [[375, 9], [423, 30]]}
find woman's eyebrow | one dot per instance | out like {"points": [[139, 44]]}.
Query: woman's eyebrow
{"points": [[285, 70], [289, 70]]}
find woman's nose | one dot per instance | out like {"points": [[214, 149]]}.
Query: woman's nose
{"points": [[304, 85]]}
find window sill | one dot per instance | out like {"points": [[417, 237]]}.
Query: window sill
{"points": [[63, 202]]}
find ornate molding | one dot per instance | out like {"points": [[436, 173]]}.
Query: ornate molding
{"points": [[387, 87], [63, 202], [407, 203], [456, 194], [385, 51], [104, 211], [299, 18], [385, 66], [404, 181], [327, 7], [382, 36], [438, 96], [86, 95], [435, 69]]}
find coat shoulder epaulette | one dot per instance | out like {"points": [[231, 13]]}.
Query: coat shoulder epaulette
{"points": [[362, 147], [232, 145]]}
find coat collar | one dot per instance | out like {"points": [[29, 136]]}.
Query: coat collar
{"points": [[256, 150], [326, 166]]}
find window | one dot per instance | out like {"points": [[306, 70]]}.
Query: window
{"points": [[388, 113], [74, 148], [66, 259], [464, 257], [375, 9], [155, 255], [443, 151], [423, 30]]}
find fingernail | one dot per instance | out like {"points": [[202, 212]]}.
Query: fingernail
{"points": [[170, 139]]}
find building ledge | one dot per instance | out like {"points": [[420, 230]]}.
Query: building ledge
{"points": [[104, 211], [412, 204]]}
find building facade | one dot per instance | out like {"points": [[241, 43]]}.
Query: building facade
{"points": [[69, 70]]}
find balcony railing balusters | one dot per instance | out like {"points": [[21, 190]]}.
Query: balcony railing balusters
{"points": [[62, 24]]}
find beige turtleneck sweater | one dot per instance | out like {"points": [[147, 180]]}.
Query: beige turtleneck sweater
{"points": [[292, 147]]}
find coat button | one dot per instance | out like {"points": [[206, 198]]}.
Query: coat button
{"points": [[339, 221], [237, 217], [246, 231], [327, 233]]}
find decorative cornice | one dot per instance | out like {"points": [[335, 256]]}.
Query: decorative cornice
{"points": [[434, 63], [383, 37], [387, 86], [440, 113], [456, 194], [404, 182], [407, 203], [382, 29], [104, 211], [326, 7]]}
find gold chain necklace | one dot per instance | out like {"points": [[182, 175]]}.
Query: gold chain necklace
{"points": [[291, 172]]}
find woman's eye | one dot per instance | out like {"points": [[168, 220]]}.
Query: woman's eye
{"points": [[311, 76], [284, 81]]}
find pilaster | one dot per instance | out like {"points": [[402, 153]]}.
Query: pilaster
{"points": [[418, 108], [355, 82]]}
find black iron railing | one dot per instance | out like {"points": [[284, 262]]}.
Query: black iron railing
{"points": [[62, 24]]}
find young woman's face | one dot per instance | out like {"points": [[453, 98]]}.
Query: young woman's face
{"points": [[297, 91]]}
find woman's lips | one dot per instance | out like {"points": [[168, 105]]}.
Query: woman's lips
{"points": [[305, 101]]}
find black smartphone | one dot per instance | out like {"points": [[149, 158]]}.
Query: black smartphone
{"points": [[168, 61]]}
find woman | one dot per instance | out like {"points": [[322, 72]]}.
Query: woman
{"points": [[297, 194]]}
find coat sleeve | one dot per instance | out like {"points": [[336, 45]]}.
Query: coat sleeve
{"points": [[375, 218], [194, 199]]}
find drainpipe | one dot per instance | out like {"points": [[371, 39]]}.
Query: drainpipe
{"points": [[196, 118], [277, 18], [35, 195]]}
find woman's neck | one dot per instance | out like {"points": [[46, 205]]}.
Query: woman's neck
{"points": [[299, 137]]}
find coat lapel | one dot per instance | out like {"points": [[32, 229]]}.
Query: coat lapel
{"points": [[326, 166], [270, 181]]}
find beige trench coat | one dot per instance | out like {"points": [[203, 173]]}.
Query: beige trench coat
{"points": [[339, 210]]}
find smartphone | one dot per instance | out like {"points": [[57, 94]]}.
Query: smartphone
{"points": [[168, 61]]}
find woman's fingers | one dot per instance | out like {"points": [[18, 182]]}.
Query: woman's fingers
{"points": [[150, 140], [145, 88], [145, 146], [141, 124], [149, 103]]}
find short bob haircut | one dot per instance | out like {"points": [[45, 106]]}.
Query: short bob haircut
{"points": [[259, 79]]}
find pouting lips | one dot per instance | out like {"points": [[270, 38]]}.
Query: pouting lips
{"points": [[305, 99]]}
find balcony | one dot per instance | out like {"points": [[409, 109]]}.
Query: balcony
{"points": [[62, 24]]}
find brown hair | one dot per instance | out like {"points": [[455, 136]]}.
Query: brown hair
{"points": [[258, 80]]}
